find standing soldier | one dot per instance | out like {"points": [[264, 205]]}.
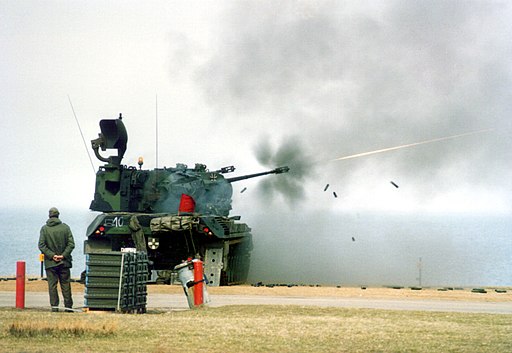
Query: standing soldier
{"points": [[56, 243]]}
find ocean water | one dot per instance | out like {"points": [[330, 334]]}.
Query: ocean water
{"points": [[19, 235], [325, 248], [383, 249]]}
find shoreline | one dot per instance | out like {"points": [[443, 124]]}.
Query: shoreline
{"points": [[483, 294]]}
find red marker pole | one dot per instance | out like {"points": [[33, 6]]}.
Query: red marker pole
{"points": [[20, 285], [198, 279]]}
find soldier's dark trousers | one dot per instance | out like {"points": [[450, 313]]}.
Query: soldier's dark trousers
{"points": [[62, 275]]}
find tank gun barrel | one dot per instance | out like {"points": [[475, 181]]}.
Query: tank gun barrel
{"points": [[278, 170]]}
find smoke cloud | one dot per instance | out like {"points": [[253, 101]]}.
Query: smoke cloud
{"points": [[347, 79], [292, 153], [329, 79]]}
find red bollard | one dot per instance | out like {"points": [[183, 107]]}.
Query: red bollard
{"points": [[198, 279], [41, 260], [20, 285]]}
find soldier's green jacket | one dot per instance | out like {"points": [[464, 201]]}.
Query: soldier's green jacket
{"points": [[56, 239]]}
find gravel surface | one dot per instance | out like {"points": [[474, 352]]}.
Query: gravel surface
{"points": [[465, 294]]}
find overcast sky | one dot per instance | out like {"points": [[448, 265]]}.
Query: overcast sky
{"points": [[259, 84]]}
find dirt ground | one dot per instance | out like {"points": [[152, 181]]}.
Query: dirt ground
{"points": [[491, 294]]}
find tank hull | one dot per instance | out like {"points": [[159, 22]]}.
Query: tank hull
{"points": [[169, 239]]}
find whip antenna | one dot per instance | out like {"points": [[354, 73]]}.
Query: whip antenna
{"points": [[81, 134], [156, 129]]}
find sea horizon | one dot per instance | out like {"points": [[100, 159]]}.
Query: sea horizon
{"points": [[349, 249]]}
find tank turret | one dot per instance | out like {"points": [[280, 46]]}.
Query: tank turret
{"points": [[127, 189]]}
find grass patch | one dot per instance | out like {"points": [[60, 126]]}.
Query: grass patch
{"points": [[58, 329], [267, 328]]}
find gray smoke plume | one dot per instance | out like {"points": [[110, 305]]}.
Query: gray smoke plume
{"points": [[351, 77], [292, 153]]}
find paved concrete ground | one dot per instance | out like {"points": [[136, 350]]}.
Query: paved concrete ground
{"points": [[178, 302]]}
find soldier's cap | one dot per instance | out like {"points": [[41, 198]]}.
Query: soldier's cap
{"points": [[53, 212]]}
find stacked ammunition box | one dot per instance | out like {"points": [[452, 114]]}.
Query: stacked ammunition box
{"points": [[116, 281]]}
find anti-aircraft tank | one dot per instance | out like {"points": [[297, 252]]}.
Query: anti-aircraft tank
{"points": [[170, 213]]}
